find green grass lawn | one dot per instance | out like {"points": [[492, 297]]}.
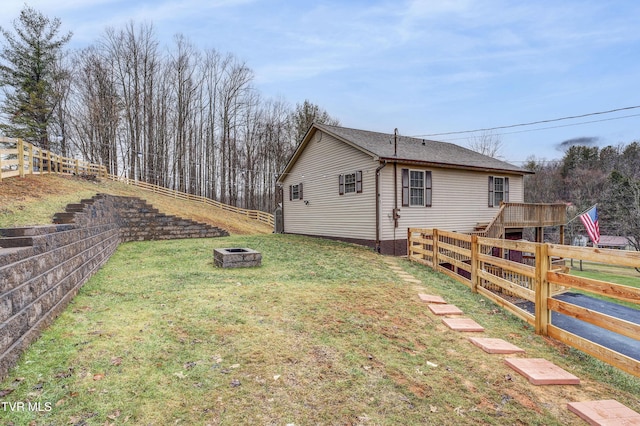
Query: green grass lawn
{"points": [[321, 333], [618, 275], [609, 273]]}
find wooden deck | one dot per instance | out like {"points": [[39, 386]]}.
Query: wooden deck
{"points": [[524, 215]]}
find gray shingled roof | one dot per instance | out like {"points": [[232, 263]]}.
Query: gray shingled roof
{"points": [[418, 150]]}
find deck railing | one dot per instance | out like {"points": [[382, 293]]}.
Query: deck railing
{"points": [[524, 215], [484, 266], [528, 215]]}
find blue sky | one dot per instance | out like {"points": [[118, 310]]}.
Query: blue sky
{"points": [[424, 67]]}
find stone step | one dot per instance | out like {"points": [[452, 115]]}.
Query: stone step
{"points": [[11, 242], [11, 255], [65, 217], [29, 231], [72, 208], [444, 309], [14, 232], [463, 324], [495, 346], [430, 298], [604, 412], [539, 371]]}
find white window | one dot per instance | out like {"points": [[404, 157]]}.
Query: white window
{"points": [[498, 190], [416, 188], [350, 183], [295, 192]]}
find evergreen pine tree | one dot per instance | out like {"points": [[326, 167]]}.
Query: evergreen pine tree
{"points": [[27, 75]]}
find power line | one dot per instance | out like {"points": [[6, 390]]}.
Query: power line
{"points": [[553, 127], [531, 123]]}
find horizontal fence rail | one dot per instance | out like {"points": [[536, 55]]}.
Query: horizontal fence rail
{"points": [[533, 272], [258, 215], [19, 158]]}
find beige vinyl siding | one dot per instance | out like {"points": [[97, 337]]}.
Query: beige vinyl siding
{"points": [[327, 213], [459, 201]]}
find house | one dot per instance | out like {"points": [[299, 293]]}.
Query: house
{"points": [[615, 242], [369, 188]]}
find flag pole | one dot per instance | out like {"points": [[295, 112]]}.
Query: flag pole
{"points": [[580, 214]]}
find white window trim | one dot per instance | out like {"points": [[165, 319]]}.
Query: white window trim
{"points": [[496, 192], [354, 187], [413, 187], [348, 185]]}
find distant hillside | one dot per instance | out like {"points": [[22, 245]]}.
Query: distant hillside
{"points": [[34, 200]]}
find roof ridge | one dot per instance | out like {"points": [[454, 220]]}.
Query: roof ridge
{"points": [[410, 148]]}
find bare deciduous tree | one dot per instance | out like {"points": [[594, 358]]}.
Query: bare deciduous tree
{"points": [[486, 143], [187, 119]]}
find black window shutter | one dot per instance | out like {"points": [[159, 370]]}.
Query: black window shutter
{"points": [[359, 181], [300, 191], [491, 198], [506, 190], [427, 189], [405, 187], [341, 185], [290, 192]]}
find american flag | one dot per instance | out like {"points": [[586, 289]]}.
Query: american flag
{"points": [[590, 221]]}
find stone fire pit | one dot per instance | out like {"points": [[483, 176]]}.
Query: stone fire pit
{"points": [[236, 257]]}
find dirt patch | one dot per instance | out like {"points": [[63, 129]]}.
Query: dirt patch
{"points": [[524, 400], [18, 189], [421, 390], [559, 346]]}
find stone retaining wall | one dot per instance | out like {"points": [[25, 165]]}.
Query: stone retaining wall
{"points": [[43, 267]]}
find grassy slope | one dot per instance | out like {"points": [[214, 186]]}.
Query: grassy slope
{"points": [[35, 199], [322, 333]]}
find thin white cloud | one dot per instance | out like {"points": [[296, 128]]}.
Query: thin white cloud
{"points": [[409, 58]]}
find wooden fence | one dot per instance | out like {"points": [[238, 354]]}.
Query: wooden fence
{"points": [[19, 158], [259, 215], [491, 266]]}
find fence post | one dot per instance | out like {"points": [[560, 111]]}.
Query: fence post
{"points": [[435, 249], [542, 313], [475, 263], [409, 243], [423, 235], [20, 147], [30, 159]]}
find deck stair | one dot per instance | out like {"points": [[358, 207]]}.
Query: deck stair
{"points": [[522, 215]]}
